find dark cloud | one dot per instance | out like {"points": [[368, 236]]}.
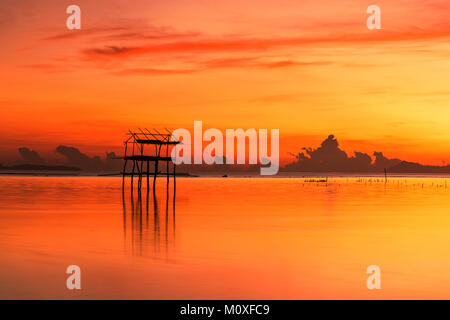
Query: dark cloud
{"points": [[30, 156], [109, 50], [382, 162], [79, 159], [112, 162], [75, 159], [246, 44], [330, 158], [84, 33]]}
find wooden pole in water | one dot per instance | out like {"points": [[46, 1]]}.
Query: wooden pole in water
{"points": [[167, 167], [138, 174], [169, 136], [148, 174], [174, 175], [141, 165], [132, 175], [156, 169], [134, 165], [124, 167], [385, 175]]}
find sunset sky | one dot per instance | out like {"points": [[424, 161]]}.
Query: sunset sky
{"points": [[309, 68]]}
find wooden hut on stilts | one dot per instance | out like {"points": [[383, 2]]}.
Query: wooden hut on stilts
{"points": [[139, 152]]}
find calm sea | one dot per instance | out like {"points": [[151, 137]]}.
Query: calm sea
{"points": [[225, 238]]}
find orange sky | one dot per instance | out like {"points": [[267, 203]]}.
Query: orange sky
{"points": [[308, 68]]}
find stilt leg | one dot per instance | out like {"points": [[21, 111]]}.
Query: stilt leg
{"points": [[148, 174], [132, 174]]}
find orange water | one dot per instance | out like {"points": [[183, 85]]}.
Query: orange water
{"points": [[227, 238]]}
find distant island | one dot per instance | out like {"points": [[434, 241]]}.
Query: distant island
{"points": [[37, 167], [412, 167]]}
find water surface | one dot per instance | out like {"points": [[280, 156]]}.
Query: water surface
{"points": [[225, 238]]}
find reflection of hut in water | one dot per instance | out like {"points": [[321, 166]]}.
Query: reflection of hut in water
{"points": [[148, 229], [145, 161]]}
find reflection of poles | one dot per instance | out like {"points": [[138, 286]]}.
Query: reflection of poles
{"points": [[139, 232], [139, 199], [148, 190], [132, 221], [137, 225], [155, 221], [167, 212], [124, 212], [173, 216]]}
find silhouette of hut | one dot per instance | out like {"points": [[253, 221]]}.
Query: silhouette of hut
{"points": [[138, 151]]}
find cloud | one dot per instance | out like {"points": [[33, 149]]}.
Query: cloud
{"points": [[247, 62], [112, 163], [330, 158], [110, 50], [244, 44], [79, 159], [382, 162], [200, 45], [30, 156], [254, 62], [126, 31], [152, 71]]}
